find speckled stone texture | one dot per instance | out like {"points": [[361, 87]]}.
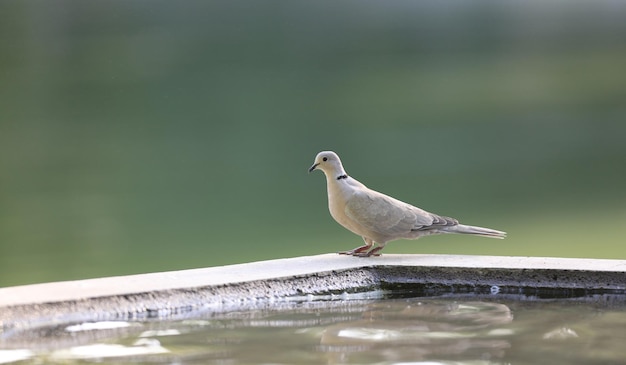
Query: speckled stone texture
{"points": [[269, 283]]}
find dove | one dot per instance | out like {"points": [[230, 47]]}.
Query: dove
{"points": [[379, 218]]}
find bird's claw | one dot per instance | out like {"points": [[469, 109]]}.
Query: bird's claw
{"points": [[358, 253], [365, 254]]}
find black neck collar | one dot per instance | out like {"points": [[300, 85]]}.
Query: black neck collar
{"points": [[344, 176]]}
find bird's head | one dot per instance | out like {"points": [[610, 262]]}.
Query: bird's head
{"points": [[328, 162]]}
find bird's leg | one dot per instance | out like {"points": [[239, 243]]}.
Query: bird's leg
{"points": [[373, 252], [356, 251], [359, 250]]}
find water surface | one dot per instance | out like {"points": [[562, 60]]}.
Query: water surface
{"points": [[458, 330]]}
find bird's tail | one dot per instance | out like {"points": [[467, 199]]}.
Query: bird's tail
{"points": [[477, 231]]}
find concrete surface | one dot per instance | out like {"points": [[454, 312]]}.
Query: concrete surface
{"points": [[225, 288]]}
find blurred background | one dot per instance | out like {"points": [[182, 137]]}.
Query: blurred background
{"points": [[142, 136]]}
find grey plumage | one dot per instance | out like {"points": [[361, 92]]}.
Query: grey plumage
{"points": [[377, 217]]}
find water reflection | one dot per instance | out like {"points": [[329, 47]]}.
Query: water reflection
{"points": [[141, 347], [402, 331], [456, 330]]}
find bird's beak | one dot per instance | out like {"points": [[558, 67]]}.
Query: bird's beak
{"points": [[313, 167]]}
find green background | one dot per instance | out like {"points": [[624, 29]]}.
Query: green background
{"points": [[141, 136]]}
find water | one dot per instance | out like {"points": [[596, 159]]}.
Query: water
{"points": [[443, 330]]}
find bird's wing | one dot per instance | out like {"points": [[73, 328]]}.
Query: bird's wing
{"points": [[388, 216]]}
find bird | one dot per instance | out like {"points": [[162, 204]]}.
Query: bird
{"points": [[379, 218]]}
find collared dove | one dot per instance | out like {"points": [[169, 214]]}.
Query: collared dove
{"points": [[379, 218]]}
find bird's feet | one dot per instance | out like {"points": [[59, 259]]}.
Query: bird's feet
{"points": [[366, 254], [362, 251]]}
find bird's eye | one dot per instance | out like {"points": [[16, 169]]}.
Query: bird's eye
{"points": [[325, 159]]}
